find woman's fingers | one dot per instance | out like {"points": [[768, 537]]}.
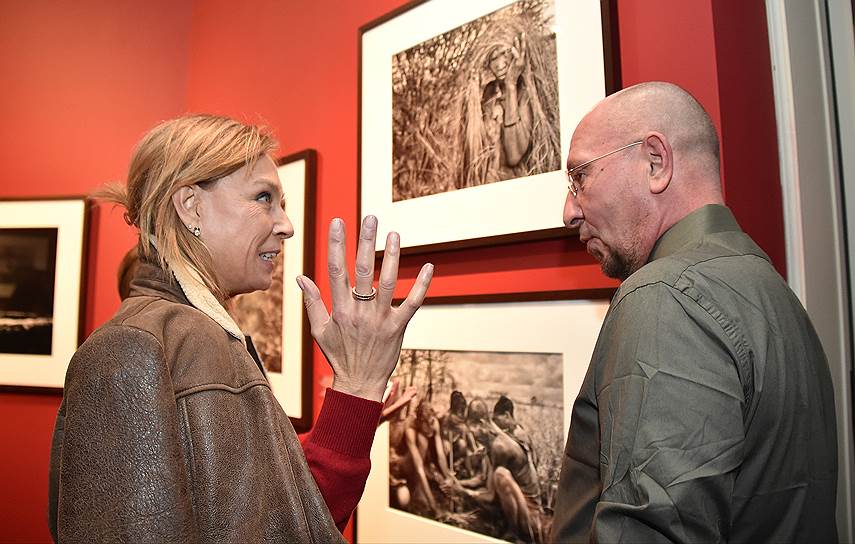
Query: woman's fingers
{"points": [[364, 278], [315, 309], [339, 282], [417, 293], [389, 270]]}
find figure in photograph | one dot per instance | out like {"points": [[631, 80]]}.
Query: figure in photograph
{"points": [[496, 464], [455, 434], [478, 104], [707, 413], [424, 458], [506, 131], [510, 479]]}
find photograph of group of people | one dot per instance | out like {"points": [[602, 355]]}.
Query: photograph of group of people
{"points": [[476, 444]]}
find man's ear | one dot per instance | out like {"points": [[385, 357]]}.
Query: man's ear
{"points": [[186, 203], [660, 158]]}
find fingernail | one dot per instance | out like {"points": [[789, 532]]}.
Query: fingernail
{"points": [[336, 224], [300, 283], [430, 267], [370, 221]]}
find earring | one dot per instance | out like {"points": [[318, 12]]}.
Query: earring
{"points": [[195, 230]]}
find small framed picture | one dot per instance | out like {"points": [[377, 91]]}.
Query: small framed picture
{"points": [[274, 319], [493, 386], [466, 113], [42, 264]]}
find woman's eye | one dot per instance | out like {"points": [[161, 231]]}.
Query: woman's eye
{"points": [[264, 197]]}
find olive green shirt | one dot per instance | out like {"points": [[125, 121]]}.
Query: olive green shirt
{"points": [[707, 412]]}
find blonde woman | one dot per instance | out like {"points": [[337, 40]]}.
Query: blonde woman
{"points": [[168, 430]]}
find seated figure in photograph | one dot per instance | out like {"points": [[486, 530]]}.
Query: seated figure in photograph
{"points": [[707, 412], [168, 430]]}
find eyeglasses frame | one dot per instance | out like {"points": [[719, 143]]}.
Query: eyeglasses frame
{"points": [[575, 186]]}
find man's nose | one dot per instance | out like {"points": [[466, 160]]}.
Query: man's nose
{"points": [[573, 216]]}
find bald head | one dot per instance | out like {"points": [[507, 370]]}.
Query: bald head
{"points": [[665, 108], [641, 160]]}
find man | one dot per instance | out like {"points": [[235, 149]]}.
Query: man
{"points": [[707, 412]]}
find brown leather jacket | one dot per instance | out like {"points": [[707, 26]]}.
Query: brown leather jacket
{"points": [[168, 432]]}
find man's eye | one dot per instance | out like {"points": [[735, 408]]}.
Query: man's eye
{"points": [[264, 197]]}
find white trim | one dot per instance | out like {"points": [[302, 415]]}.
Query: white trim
{"points": [[785, 117]]}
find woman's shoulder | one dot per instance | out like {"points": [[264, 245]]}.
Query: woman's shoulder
{"points": [[163, 319], [148, 334]]}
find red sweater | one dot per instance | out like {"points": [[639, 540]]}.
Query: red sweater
{"points": [[338, 449]]}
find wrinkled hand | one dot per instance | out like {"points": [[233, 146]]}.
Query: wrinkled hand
{"points": [[362, 339]]}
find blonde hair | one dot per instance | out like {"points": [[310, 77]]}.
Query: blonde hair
{"points": [[178, 153]]}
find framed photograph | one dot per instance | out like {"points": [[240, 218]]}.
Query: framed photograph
{"points": [[275, 319], [466, 113], [42, 249], [493, 385]]}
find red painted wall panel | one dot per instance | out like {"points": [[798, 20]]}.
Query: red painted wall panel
{"points": [[81, 85], [81, 82]]}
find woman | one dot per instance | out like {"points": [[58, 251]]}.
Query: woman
{"points": [[168, 430]]}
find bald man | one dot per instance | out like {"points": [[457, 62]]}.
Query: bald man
{"points": [[707, 412]]}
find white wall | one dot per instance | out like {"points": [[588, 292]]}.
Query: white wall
{"points": [[812, 65]]}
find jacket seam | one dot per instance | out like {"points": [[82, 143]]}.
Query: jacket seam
{"points": [[192, 452], [220, 387]]}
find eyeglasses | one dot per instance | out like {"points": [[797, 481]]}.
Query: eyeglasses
{"points": [[573, 174]]}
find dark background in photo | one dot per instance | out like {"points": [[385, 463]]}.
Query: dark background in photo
{"points": [[27, 279]]}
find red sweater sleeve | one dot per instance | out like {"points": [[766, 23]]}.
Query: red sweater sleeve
{"points": [[338, 449]]}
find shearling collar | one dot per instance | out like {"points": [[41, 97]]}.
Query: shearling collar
{"points": [[151, 280]]}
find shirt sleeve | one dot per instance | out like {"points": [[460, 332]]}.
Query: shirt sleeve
{"points": [[338, 451], [670, 417], [116, 456]]}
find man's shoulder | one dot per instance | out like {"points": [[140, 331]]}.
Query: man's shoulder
{"points": [[725, 260]]}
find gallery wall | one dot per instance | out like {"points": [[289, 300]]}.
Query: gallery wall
{"points": [[83, 81]]}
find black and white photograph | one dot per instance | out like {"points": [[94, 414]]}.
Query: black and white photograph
{"points": [[478, 104], [259, 316], [27, 277], [42, 256], [476, 418], [479, 445], [465, 114]]}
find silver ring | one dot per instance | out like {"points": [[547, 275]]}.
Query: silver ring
{"points": [[361, 297]]}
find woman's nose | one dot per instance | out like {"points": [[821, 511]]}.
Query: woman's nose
{"points": [[282, 226]]}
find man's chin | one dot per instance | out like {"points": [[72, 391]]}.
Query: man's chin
{"points": [[616, 266]]}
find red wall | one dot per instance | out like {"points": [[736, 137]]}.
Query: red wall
{"points": [[81, 82], [81, 85]]}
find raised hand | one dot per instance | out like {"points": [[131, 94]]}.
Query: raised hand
{"points": [[517, 61], [362, 336]]}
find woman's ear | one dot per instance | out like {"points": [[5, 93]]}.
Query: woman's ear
{"points": [[660, 161], [186, 204]]}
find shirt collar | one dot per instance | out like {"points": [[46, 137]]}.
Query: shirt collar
{"points": [[151, 280], [708, 219]]}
